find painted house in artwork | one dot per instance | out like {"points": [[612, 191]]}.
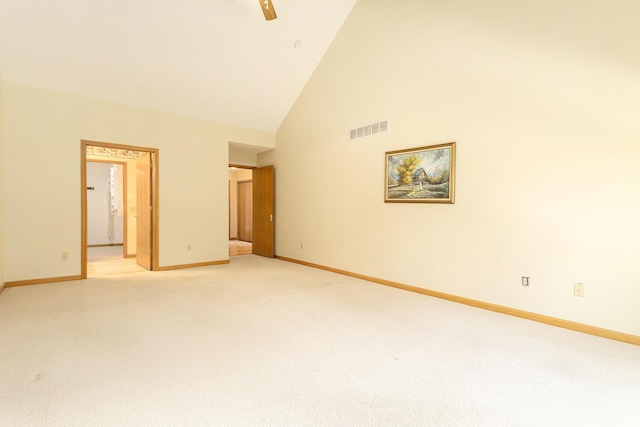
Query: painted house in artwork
{"points": [[419, 175]]}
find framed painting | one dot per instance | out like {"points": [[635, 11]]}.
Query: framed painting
{"points": [[421, 175]]}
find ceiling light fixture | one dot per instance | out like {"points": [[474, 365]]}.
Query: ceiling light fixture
{"points": [[268, 10]]}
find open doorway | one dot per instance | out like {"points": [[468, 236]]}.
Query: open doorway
{"points": [[240, 210], [108, 191], [263, 199], [125, 239], [258, 225]]}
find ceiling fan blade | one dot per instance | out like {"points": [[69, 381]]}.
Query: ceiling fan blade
{"points": [[268, 10]]}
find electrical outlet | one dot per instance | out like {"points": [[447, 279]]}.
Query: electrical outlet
{"points": [[301, 245], [525, 281], [578, 290], [188, 247], [65, 256]]}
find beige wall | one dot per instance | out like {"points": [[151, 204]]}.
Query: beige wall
{"points": [[42, 134], [543, 100], [1, 188], [235, 175], [241, 157]]}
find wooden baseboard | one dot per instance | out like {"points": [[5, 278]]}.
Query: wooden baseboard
{"points": [[566, 324], [105, 245], [71, 278], [42, 281], [199, 264], [130, 256]]}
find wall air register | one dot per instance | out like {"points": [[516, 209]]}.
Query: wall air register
{"points": [[368, 130]]}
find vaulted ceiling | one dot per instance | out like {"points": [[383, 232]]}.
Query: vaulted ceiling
{"points": [[217, 60]]}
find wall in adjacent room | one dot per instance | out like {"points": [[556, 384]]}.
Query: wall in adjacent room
{"points": [[42, 136], [543, 101], [104, 226]]}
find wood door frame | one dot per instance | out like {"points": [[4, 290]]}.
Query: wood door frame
{"points": [[155, 190], [125, 205]]}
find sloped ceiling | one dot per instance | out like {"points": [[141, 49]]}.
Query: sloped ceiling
{"points": [[216, 60]]}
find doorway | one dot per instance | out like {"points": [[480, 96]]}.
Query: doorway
{"points": [[107, 220], [139, 251], [240, 210], [262, 210]]}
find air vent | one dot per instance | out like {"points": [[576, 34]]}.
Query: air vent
{"points": [[368, 130]]}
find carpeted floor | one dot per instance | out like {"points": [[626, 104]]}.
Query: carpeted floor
{"points": [[263, 342]]}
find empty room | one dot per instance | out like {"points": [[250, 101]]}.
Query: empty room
{"points": [[444, 213]]}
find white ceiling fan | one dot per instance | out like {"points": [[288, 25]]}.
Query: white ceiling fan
{"points": [[268, 10]]}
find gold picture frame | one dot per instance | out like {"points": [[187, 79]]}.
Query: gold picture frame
{"points": [[421, 175]]}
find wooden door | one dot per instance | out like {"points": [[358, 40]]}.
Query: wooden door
{"points": [[144, 238], [264, 211], [245, 210]]}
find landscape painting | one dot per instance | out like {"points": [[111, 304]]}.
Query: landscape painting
{"points": [[421, 175]]}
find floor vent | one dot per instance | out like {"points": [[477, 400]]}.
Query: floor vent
{"points": [[368, 130]]}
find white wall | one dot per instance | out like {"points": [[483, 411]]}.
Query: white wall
{"points": [[42, 134], [103, 227], [543, 100]]}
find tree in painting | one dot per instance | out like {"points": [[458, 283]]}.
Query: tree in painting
{"points": [[406, 168]]}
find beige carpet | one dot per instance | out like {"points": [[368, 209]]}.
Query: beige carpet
{"points": [[262, 342]]}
